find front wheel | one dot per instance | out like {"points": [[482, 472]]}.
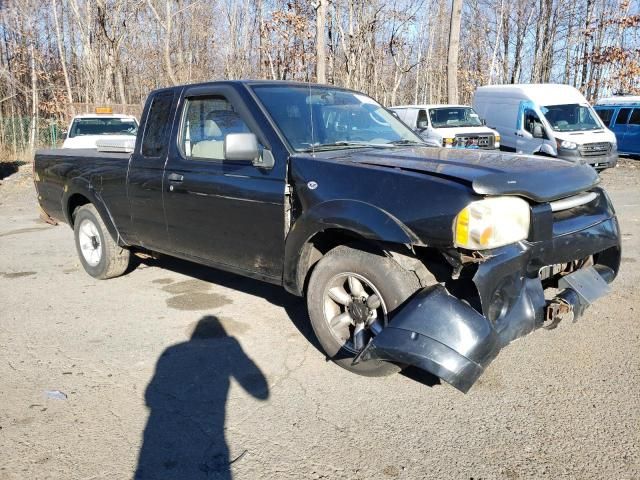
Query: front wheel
{"points": [[99, 254], [350, 295]]}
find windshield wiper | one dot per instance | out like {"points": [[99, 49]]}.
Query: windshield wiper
{"points": [[343, 144], [406, 142]]}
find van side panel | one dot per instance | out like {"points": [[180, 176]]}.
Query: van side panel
{"points": [[501, 114]]}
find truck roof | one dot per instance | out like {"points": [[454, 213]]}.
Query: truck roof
{"points": [[250, 82], [540, 93]]}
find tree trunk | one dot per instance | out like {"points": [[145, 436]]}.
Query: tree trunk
{"points": [[454, 47], [321, 15], [63, 61], [34, 101]]}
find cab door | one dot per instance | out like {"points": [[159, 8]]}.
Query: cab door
{"points": [[227, 213], [146, 173], [632, 135], [531, 133], [619, 127]]}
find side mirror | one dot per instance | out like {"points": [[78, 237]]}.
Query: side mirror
{"points": [[422, 124], [243, 147], [538, 132]]}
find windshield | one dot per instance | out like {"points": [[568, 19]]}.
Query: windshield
{"points": [[570, 118], [103, 126], [448, 117], [312, 117]]}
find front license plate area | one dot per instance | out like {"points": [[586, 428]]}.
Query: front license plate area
{"points": [[587, 283]]}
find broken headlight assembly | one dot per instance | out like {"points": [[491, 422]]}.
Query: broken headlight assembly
{"points": [[491, 223]]}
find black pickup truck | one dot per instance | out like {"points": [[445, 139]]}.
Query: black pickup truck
{"points": [[406, 254]]}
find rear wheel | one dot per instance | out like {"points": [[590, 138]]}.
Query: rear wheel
{"points": [[350, 297], [99, 254]]}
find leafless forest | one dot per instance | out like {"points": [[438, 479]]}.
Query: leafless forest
{"points": [[57, 56]]}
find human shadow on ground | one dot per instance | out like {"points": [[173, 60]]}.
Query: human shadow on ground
{"points": [[294, 306], [185, 433]]}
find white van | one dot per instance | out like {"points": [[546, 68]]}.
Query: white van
{"points": [[547, 119], [449, 126]]}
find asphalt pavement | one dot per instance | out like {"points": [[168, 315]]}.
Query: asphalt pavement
{"points": [[184, 372]]}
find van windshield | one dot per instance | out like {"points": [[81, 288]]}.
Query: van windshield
{"points": [[570, 118], [454, 117]]}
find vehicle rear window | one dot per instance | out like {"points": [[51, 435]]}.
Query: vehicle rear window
{"points": [[605, 115], [623, 116], [154, 143]]}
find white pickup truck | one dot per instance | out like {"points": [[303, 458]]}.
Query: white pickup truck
{"points": [[448, 126], [87, 129]]}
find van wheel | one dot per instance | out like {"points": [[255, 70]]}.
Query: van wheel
{"points": [[350, 296], [99, 254]]}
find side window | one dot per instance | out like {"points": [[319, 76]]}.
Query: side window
{"points": [[205, 124], [531, 119], [635, 117], [154, 143], [605, 115], [623, 116], [423, 119]]}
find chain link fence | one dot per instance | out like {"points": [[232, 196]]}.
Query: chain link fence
{"points": [[16, 133]]}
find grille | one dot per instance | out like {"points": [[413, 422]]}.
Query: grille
{"points": [[595, 149], [474, 141]]}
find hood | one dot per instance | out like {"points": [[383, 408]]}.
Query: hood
{"points": [[540, 179], [450, 132], [89, 141], [588, 136]]}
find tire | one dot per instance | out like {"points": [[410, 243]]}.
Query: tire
{"points": [[99, 254], [378, 275]]}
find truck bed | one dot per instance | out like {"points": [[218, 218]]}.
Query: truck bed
{"points": [[80, 153]]}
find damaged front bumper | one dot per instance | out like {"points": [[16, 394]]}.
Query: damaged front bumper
{"points": [[444, 335]]}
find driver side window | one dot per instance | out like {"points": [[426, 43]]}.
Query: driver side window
{"points": [[206, 123], [531, 119]]}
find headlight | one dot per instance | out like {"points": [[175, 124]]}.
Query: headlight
{"points": [[491, 223], [447, 142], [497, 140], [566, 144]]}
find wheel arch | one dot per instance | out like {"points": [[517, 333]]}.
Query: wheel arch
{"points": [[337, 223], [76, 197]]}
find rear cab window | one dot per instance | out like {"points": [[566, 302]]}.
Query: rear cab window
{"points": [[157, 126]]}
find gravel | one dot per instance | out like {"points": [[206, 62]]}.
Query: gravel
{"points": [[178, 371]]}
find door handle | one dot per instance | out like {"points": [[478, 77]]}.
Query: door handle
{"points": [[175, 178], [518, 134]]}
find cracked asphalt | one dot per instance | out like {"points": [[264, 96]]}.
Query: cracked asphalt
{"points": [[179, 371]]}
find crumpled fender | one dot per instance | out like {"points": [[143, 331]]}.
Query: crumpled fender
{"points": [[358, 217], [438, 333]]}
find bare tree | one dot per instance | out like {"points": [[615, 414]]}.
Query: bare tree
{"points": [[454, 47]]}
